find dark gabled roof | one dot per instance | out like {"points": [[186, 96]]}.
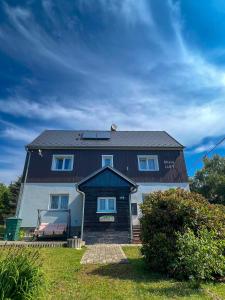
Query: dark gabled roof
{"points": [[104, 169], [118, 139]]}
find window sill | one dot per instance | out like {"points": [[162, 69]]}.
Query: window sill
{"points": [[106, 212], [148, 170], [55, 170], [57, 209]]}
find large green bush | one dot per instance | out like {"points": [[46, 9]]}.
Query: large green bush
{"points": [[20, 274], [164, 214], [200, 257]]}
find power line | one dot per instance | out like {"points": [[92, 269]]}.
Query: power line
{"points": [[209, 151], [214, 147]]}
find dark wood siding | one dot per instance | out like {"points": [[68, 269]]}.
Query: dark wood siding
{"points": [[122, 216], [88, 161], [105, 178]]}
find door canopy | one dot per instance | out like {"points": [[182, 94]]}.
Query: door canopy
{"points": [[107, 177]]}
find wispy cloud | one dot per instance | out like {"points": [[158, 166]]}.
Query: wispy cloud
{"points": [[18, 133], [93, 62], [203, 148], [182, 120], [11, 164]]}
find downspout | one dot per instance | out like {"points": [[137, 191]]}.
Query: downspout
{"points": [[22, 186], [82, 222], [133, 191]]}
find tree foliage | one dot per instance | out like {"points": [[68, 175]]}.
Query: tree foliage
{"points": [[210, 180], [8, 198]]}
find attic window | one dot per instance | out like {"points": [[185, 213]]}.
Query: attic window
{"points": [[62, 163], [107, 160], [148, 163]]}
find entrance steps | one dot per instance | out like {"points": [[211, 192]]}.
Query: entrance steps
{"points": [[106, 237], [136, 235]]}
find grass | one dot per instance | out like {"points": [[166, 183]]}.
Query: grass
{"points": [[66, 278]]}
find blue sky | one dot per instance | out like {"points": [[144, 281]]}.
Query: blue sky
{"points": [[144, 65]]}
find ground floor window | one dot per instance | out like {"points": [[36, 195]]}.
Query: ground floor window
{"points": [[106, 204], [134, 209], [59, 202]]}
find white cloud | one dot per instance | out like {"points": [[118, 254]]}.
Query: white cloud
{"points": [[203, 148], [11, 163], [140, 79], [185, 122], [18, 133], [10, 174]]}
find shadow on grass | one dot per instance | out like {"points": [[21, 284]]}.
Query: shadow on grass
{"points": [[146, 281]]}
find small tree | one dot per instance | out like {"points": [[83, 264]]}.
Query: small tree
{"points": [[8, 198], [4, 200], [210, 181], [14, 189]]}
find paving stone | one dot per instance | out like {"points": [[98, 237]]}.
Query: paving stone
{"points": [[103, 254]]}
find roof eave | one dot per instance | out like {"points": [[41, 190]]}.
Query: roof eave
{"points": [[31, 147]]}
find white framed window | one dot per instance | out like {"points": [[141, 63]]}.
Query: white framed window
{"points": [[106, 205], [148, 163], [62, 162], [58, 201], [107, 160]]}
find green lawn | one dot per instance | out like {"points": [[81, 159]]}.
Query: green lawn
{"points": [[66, 278]]}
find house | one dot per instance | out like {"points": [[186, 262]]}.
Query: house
{"points": [[100, 176]]}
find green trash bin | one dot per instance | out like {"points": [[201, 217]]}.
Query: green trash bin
{"points": [[12, 229]]}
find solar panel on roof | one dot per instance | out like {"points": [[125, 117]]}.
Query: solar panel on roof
{"points": [[89, 135], [103, 135], [96, 135]]}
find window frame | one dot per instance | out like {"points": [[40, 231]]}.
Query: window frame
{"points": [[107, 156], [132, 209], [155, 157], [60, 201], [107, 205], [64, 157]]}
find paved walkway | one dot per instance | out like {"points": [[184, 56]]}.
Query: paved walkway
{"points": [[104, 254]]}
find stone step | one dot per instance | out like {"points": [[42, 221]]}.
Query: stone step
{"points": [[136, 235], [101, 237], [136, 242]]}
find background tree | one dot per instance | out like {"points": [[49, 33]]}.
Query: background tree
{"points": [[4, 201], [210, 180], [8, 199], [14, 189]]}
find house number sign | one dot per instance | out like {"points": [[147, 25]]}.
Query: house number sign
{"points": [[169, 164], [107, 219]]}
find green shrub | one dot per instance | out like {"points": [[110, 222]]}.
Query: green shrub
{"points": [[22, 234], [164, 214], [20, 275], [199, 257]]}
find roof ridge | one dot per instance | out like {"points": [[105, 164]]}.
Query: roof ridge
{"points": [[79, 130]]}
